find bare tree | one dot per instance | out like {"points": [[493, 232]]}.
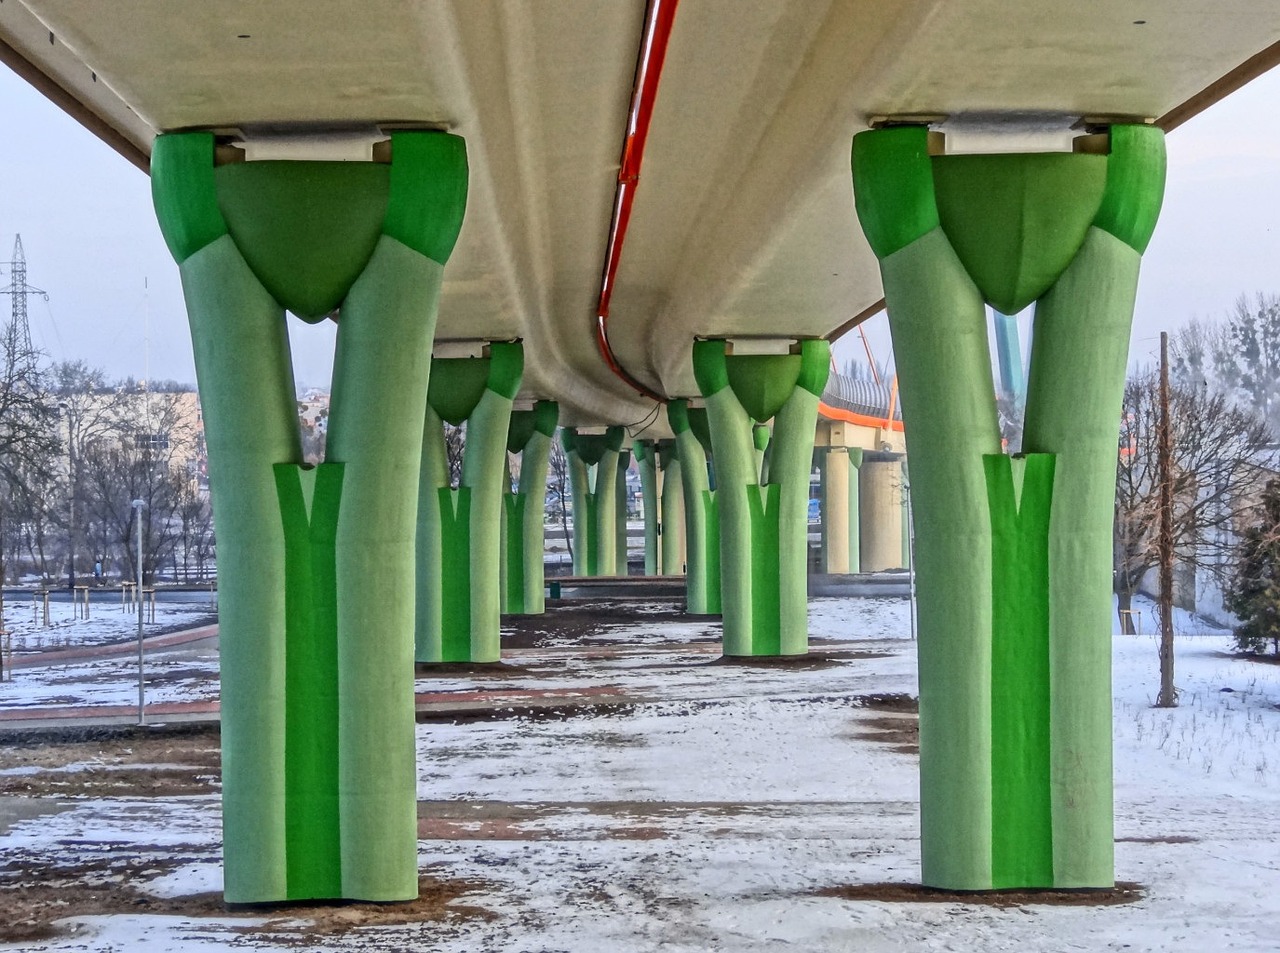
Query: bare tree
{"points": [[1239, 358], [137, 460], [558, 485], [28, 439], [1220, 456]]}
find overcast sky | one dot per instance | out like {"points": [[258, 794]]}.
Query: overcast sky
{"points": [[92, 242]]}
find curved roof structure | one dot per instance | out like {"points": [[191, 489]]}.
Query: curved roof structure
{"points": [[743, 220]]}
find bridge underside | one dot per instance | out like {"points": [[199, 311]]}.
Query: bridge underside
{"points": [[657, 206], [743, 220]]}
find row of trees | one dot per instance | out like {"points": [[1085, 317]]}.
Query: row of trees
{"points": [[1224, 412], [75, 451]]}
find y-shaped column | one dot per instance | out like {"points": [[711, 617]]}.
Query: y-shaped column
{"points": [[523, 566], [621, 563], [764, 524], [672, 512], [315, 565], [460, 528], [1013, 554], [646, 454], [701, 512], [593, 473]]}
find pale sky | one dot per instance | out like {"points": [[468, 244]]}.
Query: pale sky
{"points": [[92, 242]]}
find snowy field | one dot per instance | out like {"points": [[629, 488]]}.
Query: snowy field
{"points": [[92, 661], [714, 808], [109, 621]]}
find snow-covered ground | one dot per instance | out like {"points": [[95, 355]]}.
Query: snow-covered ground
{"points": [[710, 811], [100, 676], [109, 620]]}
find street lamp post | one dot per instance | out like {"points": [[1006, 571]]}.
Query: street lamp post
{"points": [[65, 409], [142, 712]]}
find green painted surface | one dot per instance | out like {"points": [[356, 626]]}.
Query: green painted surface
{"points": [[457, 384], [241, 350], [580, 488], [429, 179], [1074, 393], [764, 531], [815, 366], [1016, 221], [893, 193], [790, 454], [593, 474], [620, 564], [1019, 496], [533, 487], [701, 517], [309, 506], [763, 505], [182, 189], [305, 228], [484, 471], [673, 519], [462, 573], [512, 553], [376, 419], [1135, 185], [455, 575], [709, 367], [348, 578], [762, 382], [938, 324], [529, 434], [646, 455], [733, 458], [988, 683], [429, 553]]}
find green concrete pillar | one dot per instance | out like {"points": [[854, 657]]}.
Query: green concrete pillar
{"points": [[593, 474], [523, 561], [1013, 553], [672, 515], [904, 514], [315, 565], [646, 454], [620, 562], [459, 541], [764, 526], [701, 510]]}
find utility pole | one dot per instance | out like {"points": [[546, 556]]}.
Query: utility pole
{"points": [[19, 290], [142, 710], [1164, 459]]}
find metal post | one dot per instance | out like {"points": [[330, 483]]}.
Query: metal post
{"points": [[1164, 455], [142, 712], [911, 554]]}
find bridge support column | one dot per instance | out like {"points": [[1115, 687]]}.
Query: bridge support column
{"points": [[672, 514], [764, 524], [839, 466], [315, 565], [651, 476], [880, 511], [621, 503], [1013, 554], [459, 538], [593, 473], [701, 511], [523, 561]]}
